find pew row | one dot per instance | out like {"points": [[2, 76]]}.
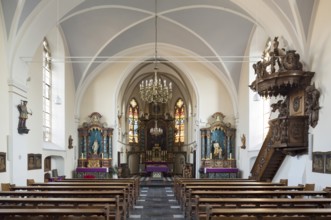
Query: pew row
{"points": [[93, 194], [200, 204], [115, 207], [131, 193], [267, 213], [55, 213]]}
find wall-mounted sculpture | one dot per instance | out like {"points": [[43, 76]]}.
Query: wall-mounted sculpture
{"points": [[23, 110]]}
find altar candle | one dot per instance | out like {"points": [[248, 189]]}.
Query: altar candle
{"points": [[82, 155], [230, 156], [101, 155], [211, 155]]}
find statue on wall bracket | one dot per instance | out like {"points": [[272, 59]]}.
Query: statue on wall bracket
{"points": [[23, 110]]}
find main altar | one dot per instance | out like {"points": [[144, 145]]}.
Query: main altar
{"points": [[95, 148], [156, 156]]}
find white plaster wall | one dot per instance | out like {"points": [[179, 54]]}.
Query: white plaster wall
{"points": [[23, 144], [4, 110]]}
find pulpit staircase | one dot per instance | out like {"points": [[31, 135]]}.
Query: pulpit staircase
{"points": [[286, 136]]}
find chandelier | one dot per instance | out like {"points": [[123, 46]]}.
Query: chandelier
{"points": [[155, 90], [156, 131]]}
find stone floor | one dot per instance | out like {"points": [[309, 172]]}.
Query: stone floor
{"points": [[156, 202]]}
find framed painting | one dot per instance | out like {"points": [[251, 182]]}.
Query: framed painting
{"points": [[2, 162], [30, 161], [47, 164], [328, 162], [34, 161], [37, 161], [318, 162]]}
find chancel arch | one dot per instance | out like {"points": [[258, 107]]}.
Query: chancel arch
{"points": [[172, 117]]}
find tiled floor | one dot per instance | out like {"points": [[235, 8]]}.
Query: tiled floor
{"points": [[156, 202]]}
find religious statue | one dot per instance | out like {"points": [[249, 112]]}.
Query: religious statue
{"points": [[22, 108], [243, 141], [217, 150], [95, 146], [70, 142]]}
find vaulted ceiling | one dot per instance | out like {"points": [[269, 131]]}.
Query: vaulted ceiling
{"points": [[213, 31]]}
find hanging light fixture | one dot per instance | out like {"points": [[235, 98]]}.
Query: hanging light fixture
{"points": [[155, 90], [156, 131]]}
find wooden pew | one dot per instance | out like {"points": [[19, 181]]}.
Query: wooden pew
{"points": [[131, 194], [181, 193], [187, 190], [135, 180], [180, 189], [77, 194], [268, 213], [200, 204], [55, 213], [178, 181], [187, 206], [257, 193], [115, 210]]}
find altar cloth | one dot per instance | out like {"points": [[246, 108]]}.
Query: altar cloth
{"points": [[219, 170], [92, 169], [156, 168]]}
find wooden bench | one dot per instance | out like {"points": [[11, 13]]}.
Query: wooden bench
{"points": [[267, 213], [187, 206], [178, 182], [93, 193], [55, 213], [199, 205], [187, 189], [131, 193], [115, 209], [134, 180], [180, 191]]}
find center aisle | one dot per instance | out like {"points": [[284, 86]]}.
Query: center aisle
{"points": [[156, 203]]}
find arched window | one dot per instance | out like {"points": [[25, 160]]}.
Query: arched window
{"points": [[179, 121], [133, 121], [47, 92]]}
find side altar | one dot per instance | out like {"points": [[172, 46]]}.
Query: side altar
{"points": [[95, 148], [218, 150]]}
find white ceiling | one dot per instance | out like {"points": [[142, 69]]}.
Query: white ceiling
{"points": [[218, 31]]}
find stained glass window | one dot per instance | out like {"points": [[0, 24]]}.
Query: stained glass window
{"points": [[179, 121], [47, 92], [133, 121]]}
